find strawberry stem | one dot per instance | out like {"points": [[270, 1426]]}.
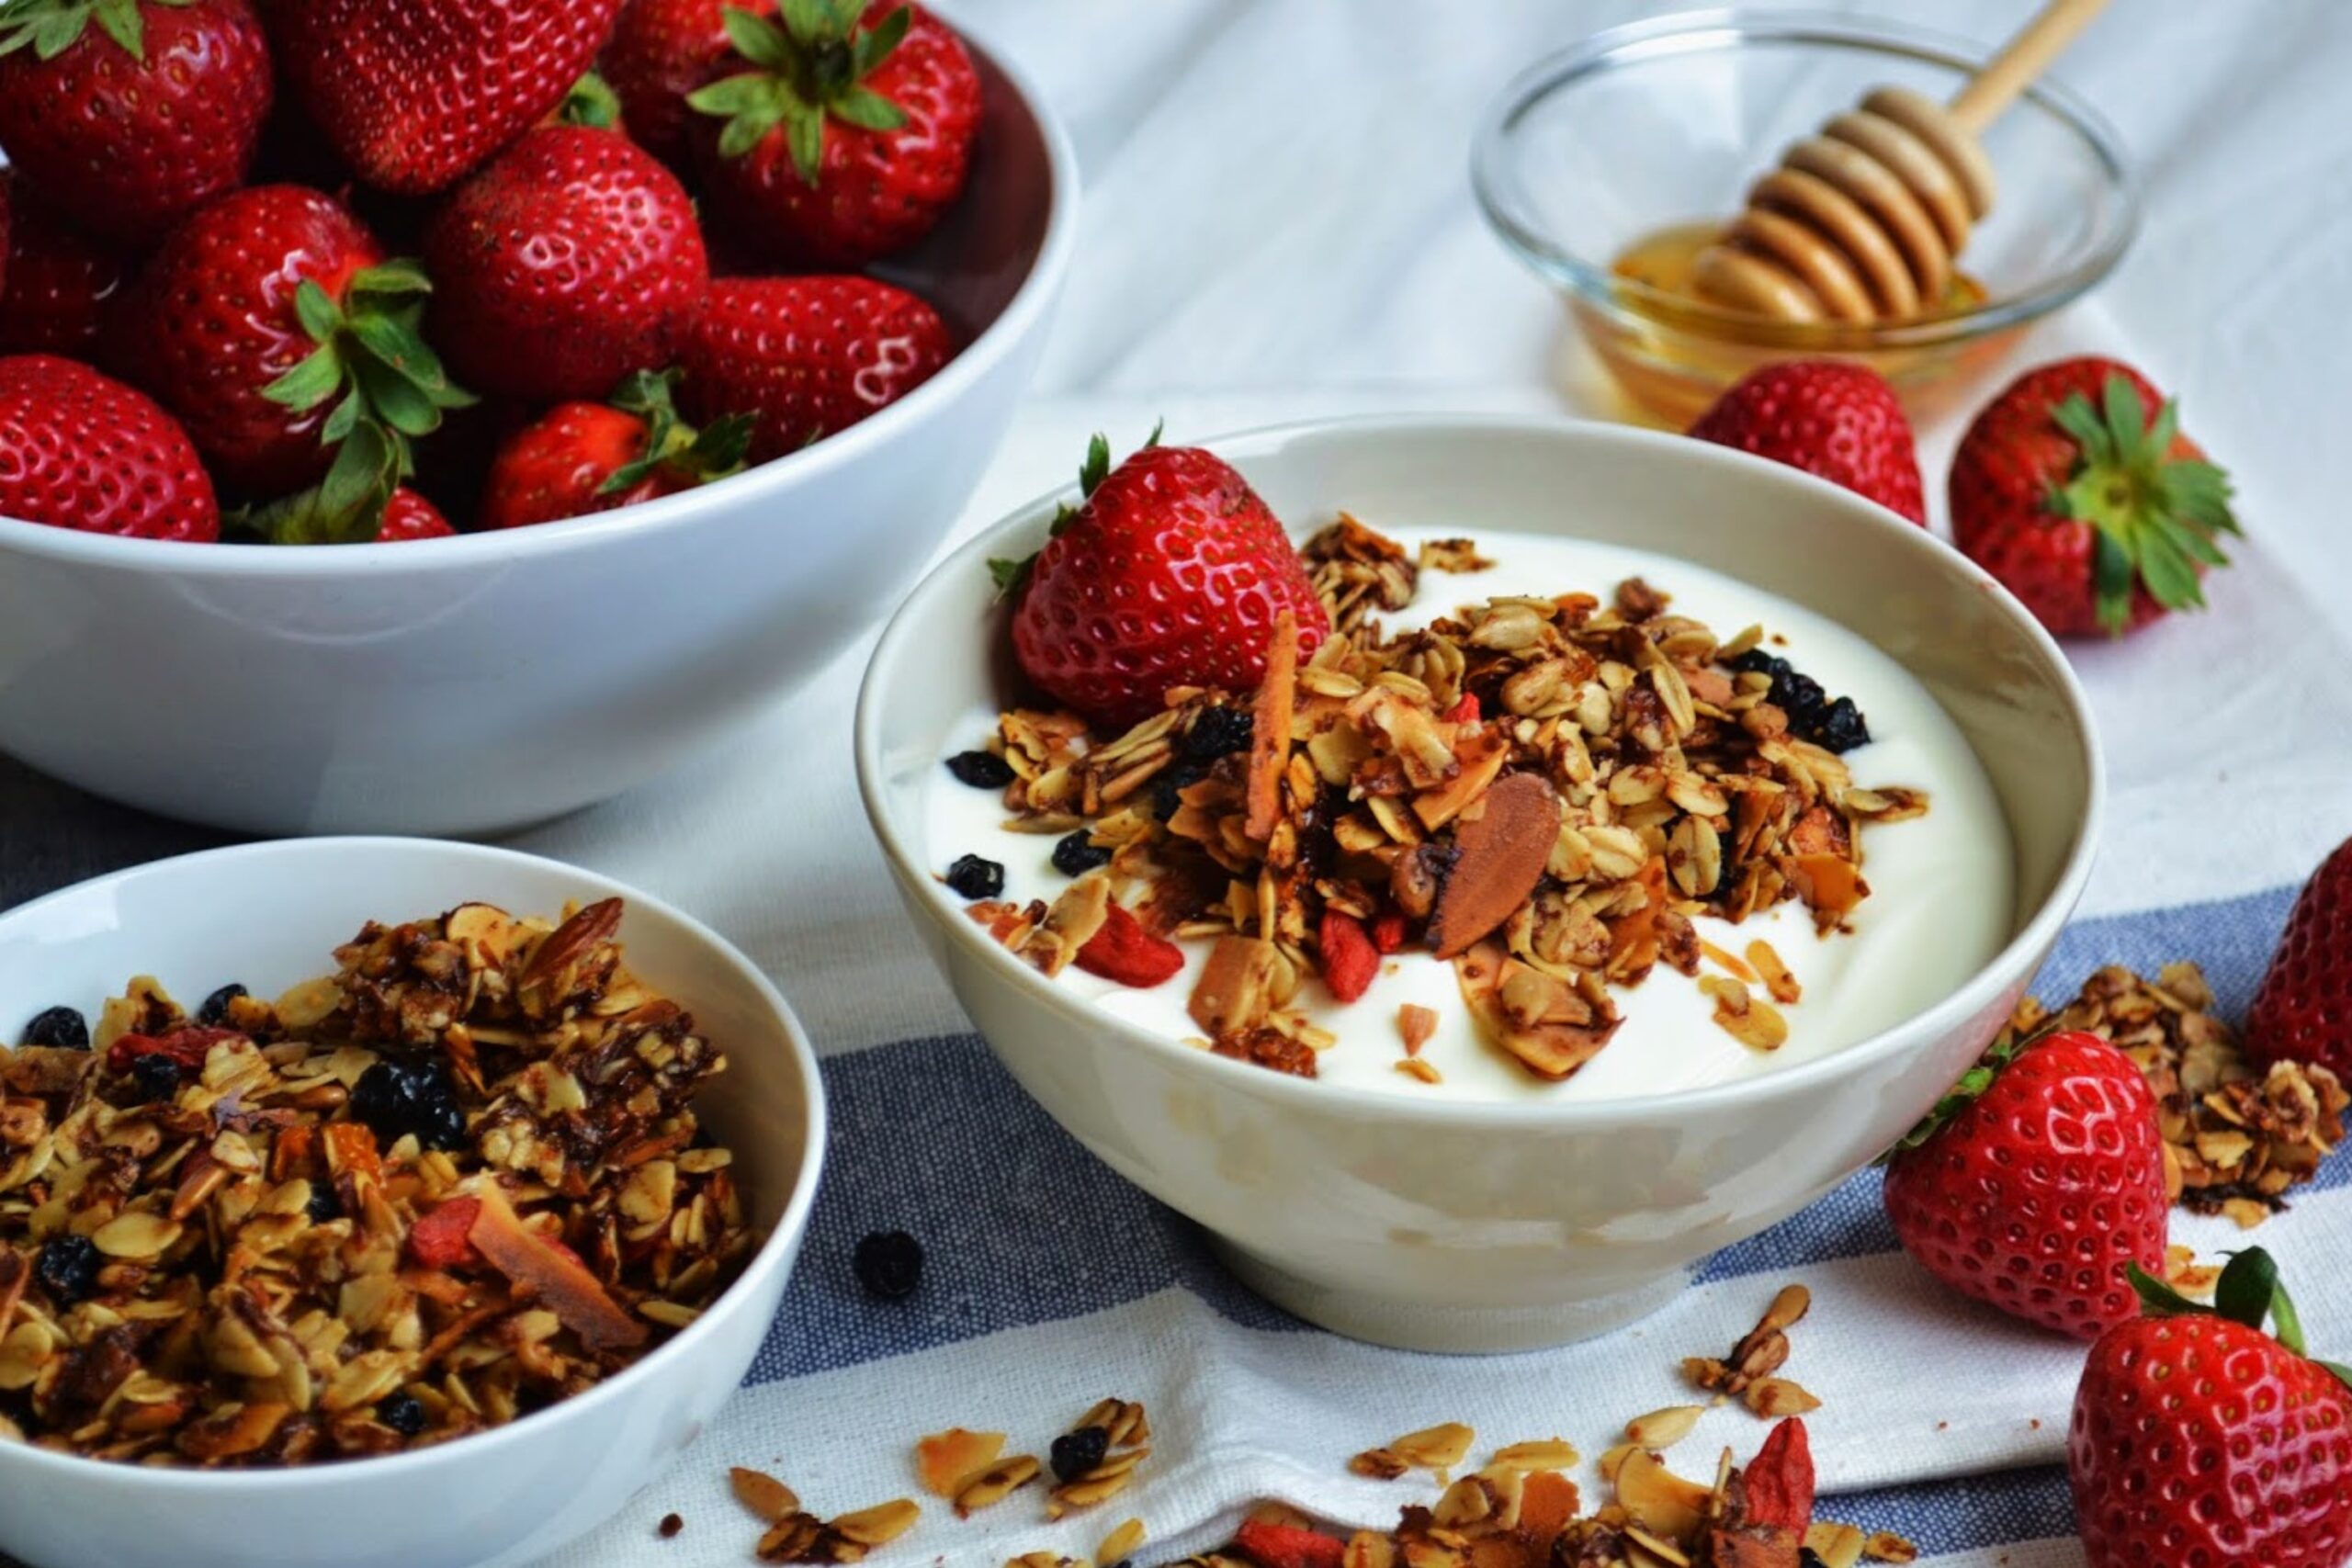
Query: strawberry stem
{"points": [[591, 103], [2156, 518], [808, 70], [713, 452], [49, 28], [2250, 1292], [387, 384]]}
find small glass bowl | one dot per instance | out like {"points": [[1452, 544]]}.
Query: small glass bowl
{"points": [[1662, 126]]}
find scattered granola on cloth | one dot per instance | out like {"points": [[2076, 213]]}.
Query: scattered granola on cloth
{"points": [[2236, 1139], [1544, 792], [453, 1182]]}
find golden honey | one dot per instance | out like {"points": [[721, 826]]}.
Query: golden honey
{"points": [[1673, 355]]}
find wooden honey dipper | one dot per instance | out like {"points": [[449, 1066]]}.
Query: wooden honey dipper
{"points": [[1863, 221]]}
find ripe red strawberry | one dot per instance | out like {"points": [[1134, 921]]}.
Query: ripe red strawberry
{"points": [[2037, 1183], [842, 141], [272, 325], [81, 450], [418, 96], [2076, 489], [583, 457], [316, 516], [61, 283], [661, 51], [133, 123], [2199, 1438], [408, 515], [1170, 573], [565, 265], [2303, 1011], [805, 357], [7, 185], [1838, 421]]}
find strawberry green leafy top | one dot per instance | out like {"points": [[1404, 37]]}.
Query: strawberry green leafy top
{"points": [[812, 66], [2155, 517], [49, 28], [2249, 1293]]}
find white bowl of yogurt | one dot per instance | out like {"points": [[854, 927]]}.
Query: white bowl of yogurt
{"points": [[1493, 1209]]}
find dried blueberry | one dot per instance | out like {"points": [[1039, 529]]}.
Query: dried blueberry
{"points": [[398, 1097], [1840, 728], [888, 1264], [1808, 1558], [1164, 797], [1077, 854], [1834, 725], [323, 1205], [59, 1026], [1217, 732], [1075, 1453], [68, 1269], [981, 770], [973, 877], [156, 1075], [403, 1413], [216, 1006]]}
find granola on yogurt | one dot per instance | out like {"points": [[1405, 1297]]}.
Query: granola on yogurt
{"points": [[456, 1180], [1545, 792]]}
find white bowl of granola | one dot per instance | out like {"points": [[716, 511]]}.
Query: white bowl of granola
{"points": [[1554, 931], [460, 1331]]}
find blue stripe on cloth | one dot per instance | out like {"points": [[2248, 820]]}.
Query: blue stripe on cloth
{"points": [[1970, 1512], [1021, 1225]]}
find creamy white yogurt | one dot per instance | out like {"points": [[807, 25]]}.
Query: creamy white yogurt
{"points": [[1940, 904]]}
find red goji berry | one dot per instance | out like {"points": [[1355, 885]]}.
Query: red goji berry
{"points": [[185, 1045], [1780, 1479], [1350, 959], [1270, 1545], [439, 1239], [1464, 712], [1390, 930], [1124, 952]]}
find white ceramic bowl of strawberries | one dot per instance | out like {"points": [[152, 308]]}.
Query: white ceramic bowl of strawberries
{"points": [[513, 1494], [698, 392], [1463, 1224]]}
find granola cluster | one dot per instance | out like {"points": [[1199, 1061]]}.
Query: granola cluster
{"points": [[453, 1182], [2238, 1138], [1545, 792], [1521, 1510]]}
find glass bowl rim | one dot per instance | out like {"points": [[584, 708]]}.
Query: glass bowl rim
{"points": [[1499, 190]]}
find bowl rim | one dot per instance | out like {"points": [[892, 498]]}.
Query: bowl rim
{"points": [[1495, 178], [1022, 314], [775, 1256], [900, 655]]}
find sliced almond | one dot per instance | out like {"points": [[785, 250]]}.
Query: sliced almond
{"points": [[1664, 1428], [882, 1523], [995, 1483], [1501, 845], [1269, 739], [1438, 1447], [769, 1499]]}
